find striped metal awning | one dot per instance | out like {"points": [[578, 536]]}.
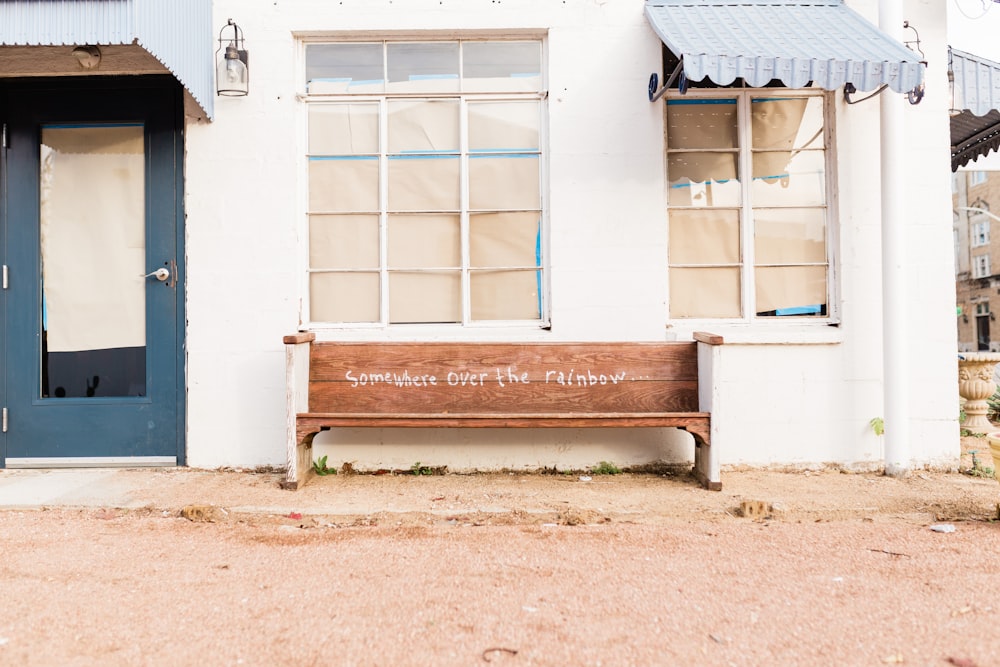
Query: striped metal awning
{"points": [[137, 37], [794, 42], [975, 106]]}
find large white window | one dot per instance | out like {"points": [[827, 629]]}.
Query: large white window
{"points": [[425, 182], [749, 231]]}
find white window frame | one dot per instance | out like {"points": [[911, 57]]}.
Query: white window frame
{"points": [[307, 98], [981, 264], [977, 177], [747, 264], [981, 233]]}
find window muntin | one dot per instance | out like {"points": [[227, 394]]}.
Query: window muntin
{"points": [[425, 199], [748, 248]]}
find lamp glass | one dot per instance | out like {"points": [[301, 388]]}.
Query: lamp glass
{"points": [[232, 76]]}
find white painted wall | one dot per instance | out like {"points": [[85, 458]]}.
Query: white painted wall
{"points": [[785, 396]]}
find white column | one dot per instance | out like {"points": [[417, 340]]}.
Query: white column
{"points": [[895, 302]]}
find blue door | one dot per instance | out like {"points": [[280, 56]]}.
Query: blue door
{"points": [[90, 238]]}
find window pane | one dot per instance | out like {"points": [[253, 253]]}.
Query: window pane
{"points": [[424, 126], [424, 183], [503, 126], [783, 122], [701, 124], [92, 222], [790, 235], [703, 179], [344, 297], [425, 297], [424, 241], [506, 295], [343, 129], [343, 185], [799, 289], [504, 182], [502, 66], [779, 181], [343, 242], [423, 67], [705, 292], [341, 68], [505, 239], [709, 236]]}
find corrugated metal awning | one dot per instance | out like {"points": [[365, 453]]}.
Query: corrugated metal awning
{"points": [[795, 42], [975, 119], [178, 34]]}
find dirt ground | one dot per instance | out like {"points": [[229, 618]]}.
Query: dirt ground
{"points": [[225, 568]]}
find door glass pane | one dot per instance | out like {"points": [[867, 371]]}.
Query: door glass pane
{"points": [[93, 254]]}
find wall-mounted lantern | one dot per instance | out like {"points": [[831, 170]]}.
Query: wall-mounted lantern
{"points": [[232, 77]]}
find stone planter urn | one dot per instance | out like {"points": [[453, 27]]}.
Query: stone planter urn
{"points": [[975, 385]]}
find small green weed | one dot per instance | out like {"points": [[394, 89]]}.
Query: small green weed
{"points": [[319, 467], [418, 469], [978, 469], [878, 425], [605, 468]]}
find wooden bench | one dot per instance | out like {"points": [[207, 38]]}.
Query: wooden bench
{"points": [[494, 385]]}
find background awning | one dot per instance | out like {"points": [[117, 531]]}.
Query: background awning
{"points": [[975, 120], [137, 36], [822, 41]]}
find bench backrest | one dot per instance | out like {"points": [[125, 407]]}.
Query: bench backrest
{"points": [[503, 378]]}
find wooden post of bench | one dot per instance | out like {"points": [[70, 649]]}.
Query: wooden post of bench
{"points": [[706, 458], [299, 458]]}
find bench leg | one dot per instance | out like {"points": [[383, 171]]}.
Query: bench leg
{"points": [[706, 463], [299, 463]]}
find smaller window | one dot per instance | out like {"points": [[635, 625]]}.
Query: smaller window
{"points": [[982, 266], [977, 177], [980, 234]]}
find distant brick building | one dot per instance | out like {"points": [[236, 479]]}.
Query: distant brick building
{"points": [[976, 195]]}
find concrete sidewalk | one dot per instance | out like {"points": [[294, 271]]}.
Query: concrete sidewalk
{"points": [[344, 495], [489, 495], [134, 488], [88, 487], [924, 496]]}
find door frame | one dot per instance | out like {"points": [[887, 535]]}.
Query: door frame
{"points": [[163, 84]]}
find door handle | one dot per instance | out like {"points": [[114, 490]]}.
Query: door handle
{"points": [[160, 274]]}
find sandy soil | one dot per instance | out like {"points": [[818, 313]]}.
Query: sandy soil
{"points": [[829, 568]]}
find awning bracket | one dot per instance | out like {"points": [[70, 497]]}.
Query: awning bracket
{"points": [[654, 81]]}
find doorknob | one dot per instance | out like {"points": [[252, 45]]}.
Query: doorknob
{"points": [[160, 274]]}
